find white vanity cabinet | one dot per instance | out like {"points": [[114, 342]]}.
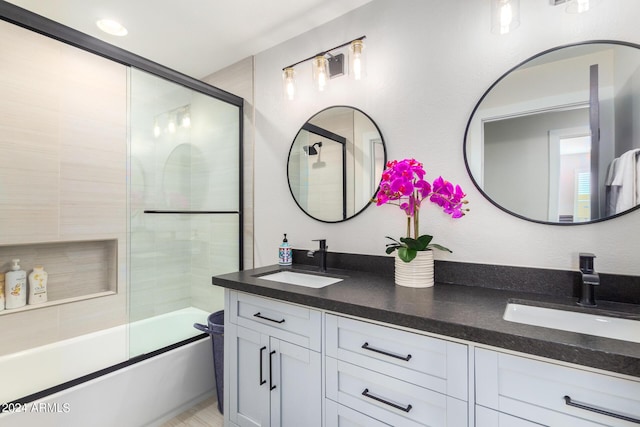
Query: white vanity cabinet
{"points": [[294, 366], [511, 389], [396, 377], [274, 374]]}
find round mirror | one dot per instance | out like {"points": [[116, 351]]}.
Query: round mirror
{"points": [[556, 139], [335, 164], [185, 180]]}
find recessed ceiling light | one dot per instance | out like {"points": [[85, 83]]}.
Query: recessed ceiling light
{"points": [[112, 27]]}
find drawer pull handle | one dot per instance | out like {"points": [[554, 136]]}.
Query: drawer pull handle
{"points": [[405, 358], [366, 393], [261, 380], [266, 318], [271, 385], [569, 402]]}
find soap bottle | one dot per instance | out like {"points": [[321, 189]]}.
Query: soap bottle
{"points": [[1, 291], [38, 285], [284, 252], [15, 286]]}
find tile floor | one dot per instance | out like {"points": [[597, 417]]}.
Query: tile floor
{"points": [[204, 414]]}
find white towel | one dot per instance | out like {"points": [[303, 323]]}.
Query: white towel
{"points": [[627, 175], [611, 172], [610, 191]]}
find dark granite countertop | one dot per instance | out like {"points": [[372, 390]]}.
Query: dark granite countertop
{"points": [[469, 313]]}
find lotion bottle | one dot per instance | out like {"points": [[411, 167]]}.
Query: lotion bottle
{"points": [[38, 285], [15, 286], [284, 252]]}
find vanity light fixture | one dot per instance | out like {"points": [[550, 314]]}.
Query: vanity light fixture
{"points": [[170, 121], [326, 66], [112, 27], [505, 16]]}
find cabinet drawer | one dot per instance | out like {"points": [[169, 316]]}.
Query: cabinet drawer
{"points": [[431, 363], [293, 323], [340, 416], [539, 391], [489, 418], [390, 400]]}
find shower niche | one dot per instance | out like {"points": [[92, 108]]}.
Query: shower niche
{"points": [[77, 270]]}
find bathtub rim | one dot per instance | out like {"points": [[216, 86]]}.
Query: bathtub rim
{"points": [[105, 371]]}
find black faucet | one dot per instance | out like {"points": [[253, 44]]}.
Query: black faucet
{"points": [[323, 254], [589, 279]]}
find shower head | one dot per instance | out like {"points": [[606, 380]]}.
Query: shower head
{"points": [[311, 149], [319, 164]]}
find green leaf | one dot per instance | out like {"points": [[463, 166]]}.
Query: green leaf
{"points": [[390, 249], [407, 254], [423, 242], [410, 243], [442, 248]]}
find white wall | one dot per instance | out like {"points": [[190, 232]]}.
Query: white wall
{"points": [[429, 62]]}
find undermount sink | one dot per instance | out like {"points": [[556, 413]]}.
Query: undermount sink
{"points": [[301, 279], [573, 321]]}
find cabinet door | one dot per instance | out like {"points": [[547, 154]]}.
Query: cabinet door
{"points": [[296, 385], [248, 377]]}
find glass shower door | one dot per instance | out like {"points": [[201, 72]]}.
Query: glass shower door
{"points": [[185, 208]]}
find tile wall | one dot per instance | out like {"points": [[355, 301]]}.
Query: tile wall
{"points": [[63, 156]]}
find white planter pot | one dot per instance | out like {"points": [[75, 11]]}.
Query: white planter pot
{"points": [[415, 274]]}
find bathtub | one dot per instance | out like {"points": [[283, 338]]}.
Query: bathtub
{"points": [[131, 394]]}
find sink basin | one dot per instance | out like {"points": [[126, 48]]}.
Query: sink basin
{"points": [[301, 279], [573, 321]]}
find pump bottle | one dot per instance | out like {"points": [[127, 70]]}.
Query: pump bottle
{"points": [[15, 286], [284, 252]]}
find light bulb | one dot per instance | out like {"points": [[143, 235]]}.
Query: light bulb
{"points": [[289, 83], [356, 59], [156, 129], [172, 126], [184, 118], [505, 16], [320, 72]]}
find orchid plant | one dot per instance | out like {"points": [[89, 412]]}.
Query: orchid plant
{"points": [[403, 184]]}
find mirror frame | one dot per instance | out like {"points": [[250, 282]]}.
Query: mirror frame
{"points": [[305, 126], [484, 95]]}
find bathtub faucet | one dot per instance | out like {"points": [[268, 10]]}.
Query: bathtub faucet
{"points": [[589, 279]]}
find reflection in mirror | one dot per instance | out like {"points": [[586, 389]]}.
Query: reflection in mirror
{"points": [[335, 164], [185, 179], [557, 139], [554, 139]]}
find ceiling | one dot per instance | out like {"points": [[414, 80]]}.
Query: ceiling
{"points": [[195, 37]]}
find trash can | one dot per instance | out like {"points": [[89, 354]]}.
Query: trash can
{"points": [[215, 329]]}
